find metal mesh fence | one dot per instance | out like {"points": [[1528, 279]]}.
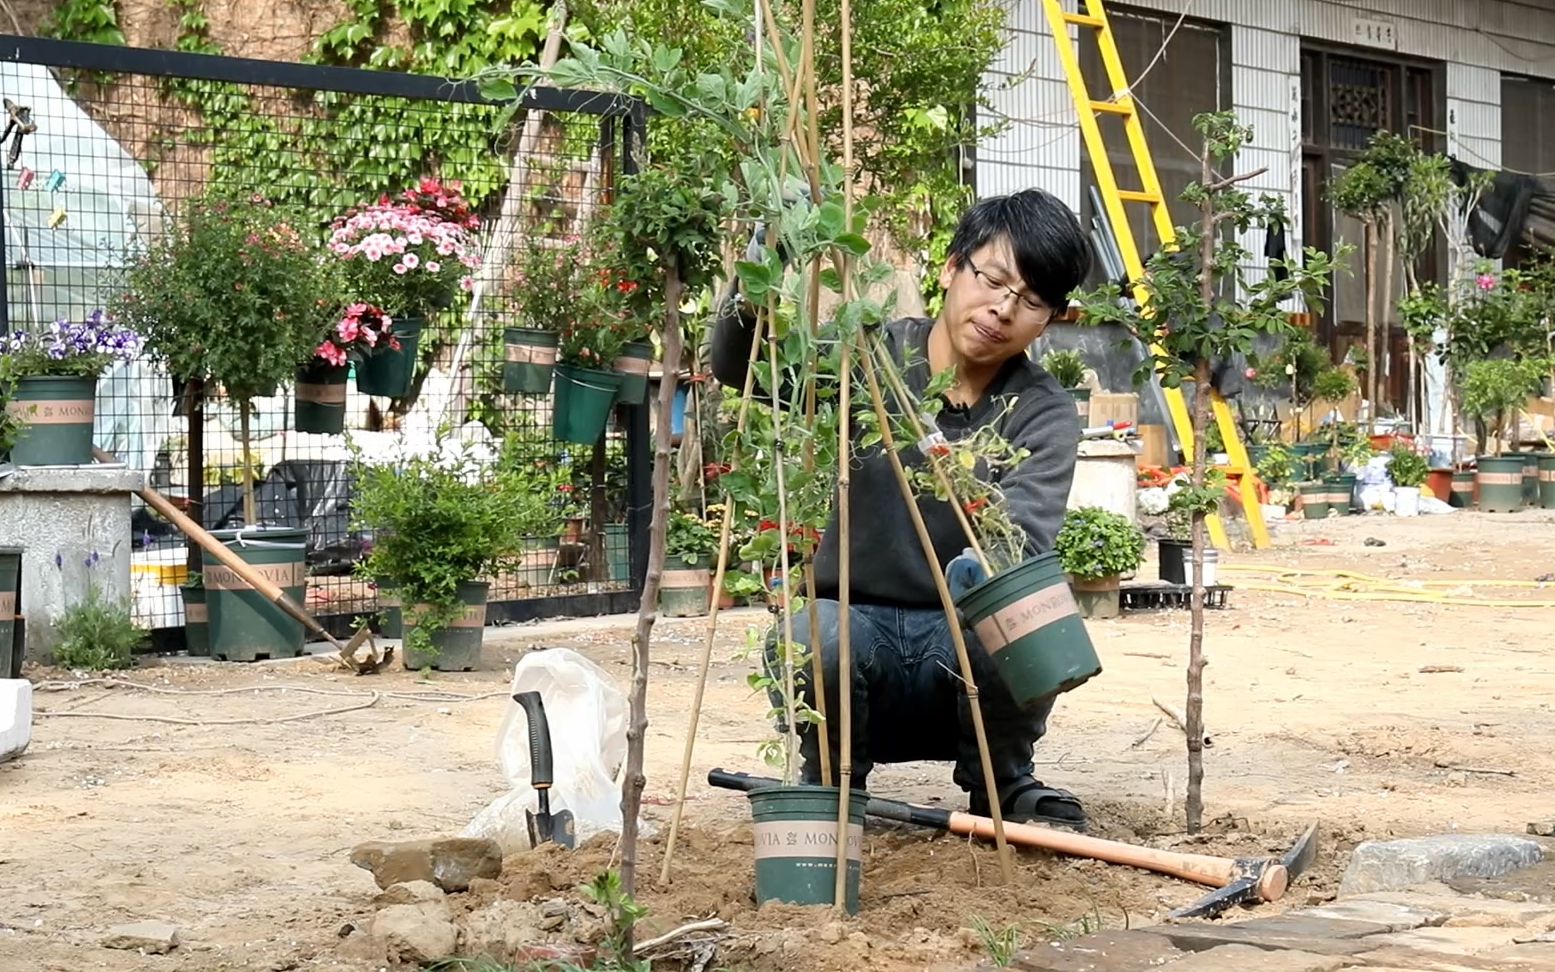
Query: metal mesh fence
{"points": [[126, 137]]}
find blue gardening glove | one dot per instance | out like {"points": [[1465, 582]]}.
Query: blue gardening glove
{"points": [[964, 573]]}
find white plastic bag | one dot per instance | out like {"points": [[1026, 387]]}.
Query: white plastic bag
{"points": [[587, 717]]}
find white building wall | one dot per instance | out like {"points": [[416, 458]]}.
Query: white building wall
{"points": [[1477, 39]]}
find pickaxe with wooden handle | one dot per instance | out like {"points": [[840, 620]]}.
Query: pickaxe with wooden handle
{"points": [[243, 569], [1239, 881]]}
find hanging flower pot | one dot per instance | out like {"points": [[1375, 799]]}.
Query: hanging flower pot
{"points": [[581, 408], [55, 412], [320, 397], [1500, 482], [1027, 619], [633, 364], [529, 357], [796, 844], [387, 371], [456, 647]]}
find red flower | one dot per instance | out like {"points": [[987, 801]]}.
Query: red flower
{"points": [[974, 505]]}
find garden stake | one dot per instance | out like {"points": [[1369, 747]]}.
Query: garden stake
{"points": [[791, 734], [712, 633], [954, 622], [844, 485]]}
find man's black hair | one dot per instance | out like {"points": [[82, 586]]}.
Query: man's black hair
{"points": [[1051, 253]]}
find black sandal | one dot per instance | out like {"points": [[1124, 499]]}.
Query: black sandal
{"points": [[1027, 800]]}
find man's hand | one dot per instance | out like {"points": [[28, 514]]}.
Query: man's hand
{"points": [[964, 573]]}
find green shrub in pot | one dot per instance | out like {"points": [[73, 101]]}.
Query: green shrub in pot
{"points": [[439, 523], [1095, 547], [1407, 467]]}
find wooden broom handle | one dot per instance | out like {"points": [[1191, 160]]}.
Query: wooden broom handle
{"points": [[1216, 872]]}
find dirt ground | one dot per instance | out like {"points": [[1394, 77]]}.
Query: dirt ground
{"points": [[1375, 718]]}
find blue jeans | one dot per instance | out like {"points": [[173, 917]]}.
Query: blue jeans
{"points": [[908, 698]]}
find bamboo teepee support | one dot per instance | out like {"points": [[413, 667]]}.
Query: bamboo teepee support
{"points": [[948, 603]]}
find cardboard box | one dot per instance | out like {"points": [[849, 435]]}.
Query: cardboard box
{"points": [[1114, 407]]}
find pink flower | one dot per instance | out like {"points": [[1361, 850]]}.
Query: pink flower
{"points": [[411, 260], [348, 329], [330, 353], [401, 269], [466, 284], [1485, 281], [434, 267]]}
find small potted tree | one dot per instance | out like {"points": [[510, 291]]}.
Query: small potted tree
{"points": [[548, 277], [49, 378], [1491, 390], [1068, 369], [690, 548], [233, 296], [442, 526], [1408, 470], [320, 395], [410, 256], [1096, 547]]}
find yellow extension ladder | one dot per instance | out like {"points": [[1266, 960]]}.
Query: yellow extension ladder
{"points": [[1121, 103]]}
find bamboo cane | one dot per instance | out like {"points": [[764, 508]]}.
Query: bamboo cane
{"points": [[844, 490], [954, 622], [790, 711]]}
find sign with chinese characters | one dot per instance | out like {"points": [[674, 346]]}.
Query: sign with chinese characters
{"points": [[1373, 33]]}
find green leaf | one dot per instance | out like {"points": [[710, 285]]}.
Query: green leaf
{"points": [[498, 89], [853, 243]]}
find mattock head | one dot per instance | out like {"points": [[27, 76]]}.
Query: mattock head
{"points": [[1256, 879]]}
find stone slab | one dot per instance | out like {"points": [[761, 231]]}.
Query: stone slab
{"points": [[151, 937], [1202, 938], [1317, 926], [1112, 951], [1390, 915], [1536, 883], [1459, 940], [1420, 960], [1398, 864], [1246, 958], [1459, 909]]}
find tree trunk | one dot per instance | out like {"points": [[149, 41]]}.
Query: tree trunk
{"points": [[1371, 319], [647, 608], [1194, 711], [194, 463], [1384, 365], [250, 515]]}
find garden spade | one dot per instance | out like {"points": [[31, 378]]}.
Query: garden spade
{"points": [[544, 826], [241, 567]]}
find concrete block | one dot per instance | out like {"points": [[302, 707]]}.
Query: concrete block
{"points": [[1106, 474], [15, 717], [61, 516], [1397, 864]]}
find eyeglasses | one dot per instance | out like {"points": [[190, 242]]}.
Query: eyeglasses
{"points": [[996, 286]]}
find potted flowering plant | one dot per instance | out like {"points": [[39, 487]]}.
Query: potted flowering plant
{"points": [[1068, 369], [321, 382], [51, 375], [586, 380], [548, 277], [408, 258], [1096, 547], [689, 549]]}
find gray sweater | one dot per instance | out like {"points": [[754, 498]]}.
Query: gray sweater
{"points": [[887, 560]]}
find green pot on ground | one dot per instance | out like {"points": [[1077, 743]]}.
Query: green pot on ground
{"points": [[1547, 481], [581, 407], [1462, 494], [245, 625], [1500, 483], [529, 358], [1314, 501], [618, 552], [319, 399], [1311, 455], [387, 372], [1027, 619], [197, 625], [1341, 493], [685, 590], [1531, 477], [1082, 404], [389, 607], [10, 581], [633, 365], [56, 413], [456, 647], [1097, 597], [795, 842]]}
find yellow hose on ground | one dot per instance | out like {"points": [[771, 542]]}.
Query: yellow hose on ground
{"points": [[1348, 585]]}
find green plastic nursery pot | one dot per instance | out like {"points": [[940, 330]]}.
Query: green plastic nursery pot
{"points": [[1462, 494], [796, 844], [1097, 597], [685, 590], [633, 364], [1500, 482], [1170, 556], [1341, 492], [197, 625], [1027, 619], [1311, 455], [1547, 481], [456, 648], [56, 412], [244, 624], [393, 617], [1531, 477], [529, 357], [582, 404], [1082, 403], [618, 552], [10, 574], [1314, 501], [319, 400], [388, 372]]}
